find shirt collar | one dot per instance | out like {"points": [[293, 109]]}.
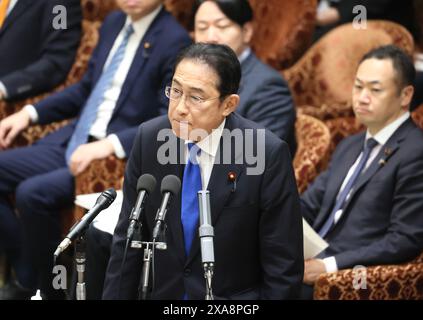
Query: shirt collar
{"points": [[210, 144], [383, 135], [140, 26], [244, 55]]}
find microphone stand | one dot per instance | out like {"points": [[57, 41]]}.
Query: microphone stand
{"points": [[208, 275], [80, 259], [149, 246]]}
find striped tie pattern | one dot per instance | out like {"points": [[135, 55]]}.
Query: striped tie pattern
{"points": [[370, 144]]}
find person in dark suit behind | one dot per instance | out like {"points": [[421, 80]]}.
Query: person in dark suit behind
{"points": [[368, 205], [264, 95], [36, 49], [131, 65], [257, 225]]}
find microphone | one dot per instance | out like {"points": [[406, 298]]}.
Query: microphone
{"points": [[170, 187], [145, 185], [206, 233], [103, 201], [206, 230]]}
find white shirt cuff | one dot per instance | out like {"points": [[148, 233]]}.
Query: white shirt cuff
{"points": [[330, 264], [119, 151], [32, 113], [3, 89]]}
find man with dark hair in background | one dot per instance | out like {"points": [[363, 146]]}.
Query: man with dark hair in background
{"points": [[368, 205]]}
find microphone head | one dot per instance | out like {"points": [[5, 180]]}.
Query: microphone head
{"points": [[107, 197], [146, 182], [171, 184]]}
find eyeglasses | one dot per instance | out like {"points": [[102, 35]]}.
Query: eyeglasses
{"points": [[175, 94]]}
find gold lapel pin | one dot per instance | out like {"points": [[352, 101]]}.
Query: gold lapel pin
{"points": [[382, 162], [232, 178], [147, 47], [387, 151]]}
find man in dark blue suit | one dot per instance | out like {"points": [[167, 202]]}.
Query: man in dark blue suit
{"points": [[368, 205], [36, 48], [258, 244], [265, 96], [123, 87]]}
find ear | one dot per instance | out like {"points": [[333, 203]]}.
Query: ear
{"points": [[229, 104], [406, 96], [247, 32]]}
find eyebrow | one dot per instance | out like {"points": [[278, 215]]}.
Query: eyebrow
{"points": [[215, 21], [191, 88], [370, 82]]}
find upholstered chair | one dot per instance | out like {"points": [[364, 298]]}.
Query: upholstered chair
{"points": [[312, 154], [321, 81]]}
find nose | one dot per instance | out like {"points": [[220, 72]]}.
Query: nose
{"points": [[211, 36], [364, 96], [181, 106]]}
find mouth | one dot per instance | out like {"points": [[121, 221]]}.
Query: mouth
{"points": [[183, 122], [361, 110]]}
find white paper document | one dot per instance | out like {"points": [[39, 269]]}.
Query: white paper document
{"points": [[313, 243], [106, 219]]}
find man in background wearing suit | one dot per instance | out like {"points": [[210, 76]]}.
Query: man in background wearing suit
{"points": [[265, 96], [368, 205], [256, 219], [131, 65], [36, 55]]}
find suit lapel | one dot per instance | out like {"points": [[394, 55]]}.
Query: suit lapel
{"points": [[173, 217], [338, 175], [141, 57], [246, 68], [14, 14], [219, 185], [391, 146]]}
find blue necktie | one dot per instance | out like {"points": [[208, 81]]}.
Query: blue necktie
{"points": [[370, 144], [89, 113], [191, 184]]}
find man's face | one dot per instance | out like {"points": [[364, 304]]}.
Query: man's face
{"points": [[196, 80], [137, 9], [212, 26], [377, 97]]}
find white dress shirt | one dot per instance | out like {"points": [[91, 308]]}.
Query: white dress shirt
{"points": [[208, 146], [12, 4], [381, 138], [111, 95], [244, 55]]}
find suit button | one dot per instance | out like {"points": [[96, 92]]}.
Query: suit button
{"points": [[187, 272]]}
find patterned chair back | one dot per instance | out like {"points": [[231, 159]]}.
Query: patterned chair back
{"points": [[323, 78], [417, 116], [312, 154]]}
